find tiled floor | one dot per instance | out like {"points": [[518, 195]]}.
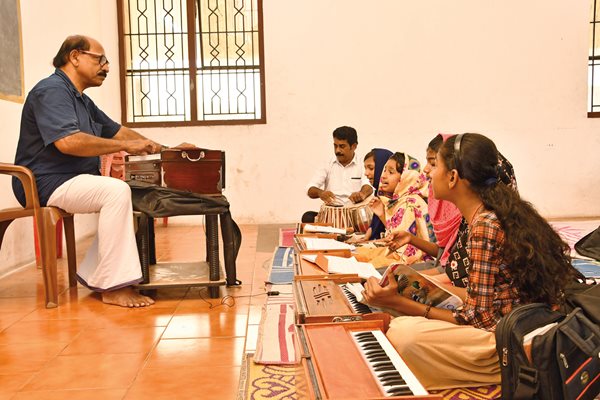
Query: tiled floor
{"points": [[185, 346]]}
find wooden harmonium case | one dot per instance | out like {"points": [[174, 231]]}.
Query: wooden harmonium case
{"points": [[354, 360], [329, 300], [197, 170], [143, 168]]}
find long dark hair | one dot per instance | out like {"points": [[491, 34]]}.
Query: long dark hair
{"points": [[536, 256]]}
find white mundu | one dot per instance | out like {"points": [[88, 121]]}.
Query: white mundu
{"points": [[112, 261], [341, 180]]}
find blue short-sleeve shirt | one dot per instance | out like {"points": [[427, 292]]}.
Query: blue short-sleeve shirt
{"points": [[53, 110]]}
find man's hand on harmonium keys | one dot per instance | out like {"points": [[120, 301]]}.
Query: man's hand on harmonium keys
{"points": [[181, 146], [141, 147]]}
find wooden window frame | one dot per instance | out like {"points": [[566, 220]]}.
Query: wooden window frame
{"points": [[193, 72]]}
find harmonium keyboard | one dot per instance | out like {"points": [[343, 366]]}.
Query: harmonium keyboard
{"points": [[330, 300], [354, 360]]}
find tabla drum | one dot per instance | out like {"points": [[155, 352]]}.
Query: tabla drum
{"points": [[356, 216]]}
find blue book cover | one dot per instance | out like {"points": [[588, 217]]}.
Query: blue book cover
{"points": [[589, 268]]}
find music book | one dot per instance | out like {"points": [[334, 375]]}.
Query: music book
{"points": [[421, 288], [308, 228], [343, 265]]}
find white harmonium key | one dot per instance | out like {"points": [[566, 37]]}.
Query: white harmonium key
{"points": [[389, 370]]}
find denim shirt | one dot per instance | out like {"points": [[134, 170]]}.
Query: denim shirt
{"points": [[53, 110]]}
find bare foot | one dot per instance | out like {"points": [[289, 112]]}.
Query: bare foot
{"points": [[126, 297]]}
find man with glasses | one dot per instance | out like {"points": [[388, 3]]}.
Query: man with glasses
{"points": [[63, 133]]}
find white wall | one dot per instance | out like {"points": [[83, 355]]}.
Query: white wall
{"points": [[398, 71]]}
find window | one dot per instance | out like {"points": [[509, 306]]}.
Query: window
{"points": [[594, 62], [191, 62]]}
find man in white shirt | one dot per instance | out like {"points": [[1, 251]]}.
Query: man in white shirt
{"points": [[341, 180]]}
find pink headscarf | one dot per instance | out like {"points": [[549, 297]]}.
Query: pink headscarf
{"points": [[445, 218]]}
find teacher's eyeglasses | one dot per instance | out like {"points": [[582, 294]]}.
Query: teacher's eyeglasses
{"points": [[102, 60]]}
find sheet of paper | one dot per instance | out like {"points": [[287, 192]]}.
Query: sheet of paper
{"points": [[310, 257], [325, 244], [341, 265], [323, 229]]}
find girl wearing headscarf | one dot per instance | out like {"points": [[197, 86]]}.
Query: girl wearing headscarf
{"points": [[374, 162], [400, 206]]}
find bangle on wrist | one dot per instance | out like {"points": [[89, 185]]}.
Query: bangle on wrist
{"points": [[427, 310]]}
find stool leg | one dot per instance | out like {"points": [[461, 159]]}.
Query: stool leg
{"points": [[229, 251], [71, 251], [151, 241], [141, 238], [212, 247]]}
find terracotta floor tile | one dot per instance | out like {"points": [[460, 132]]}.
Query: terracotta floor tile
{"points": [[183, 384], [182, 353], [11, 383], [85, 349], [133, 317], [114, 340], [43, 331], [239, 305], [94, 371], [9, 318], [91, 394], [206, 325], [17, 304], [87, 307], [27, 357]]}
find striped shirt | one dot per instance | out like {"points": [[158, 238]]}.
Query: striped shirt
{"points": [[490, 293]]}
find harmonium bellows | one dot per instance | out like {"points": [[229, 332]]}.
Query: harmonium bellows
{"points": [[354, 360]]}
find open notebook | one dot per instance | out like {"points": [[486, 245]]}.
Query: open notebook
{"points": [[343, 265]]}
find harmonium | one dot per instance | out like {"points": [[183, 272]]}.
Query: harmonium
{"points": [[332, 299], [196, 170], [354, 360], [321, 296]]}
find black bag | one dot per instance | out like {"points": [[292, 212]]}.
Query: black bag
{"points": [[586, 297], [565, 360], [589, 245]]}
